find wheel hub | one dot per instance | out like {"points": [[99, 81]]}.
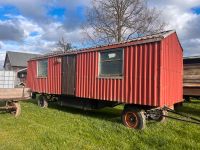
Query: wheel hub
{"points": [[131, 119]]}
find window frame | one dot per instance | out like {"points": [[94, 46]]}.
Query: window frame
{"points": [[42, 76], [113, 76]]}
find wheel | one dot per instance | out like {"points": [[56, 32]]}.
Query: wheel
{"points": [[42, 101], [159, 115], [16, 108], [133, 118]]}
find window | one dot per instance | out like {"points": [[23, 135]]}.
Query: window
{"points": [[42, 68], [111, 63]]}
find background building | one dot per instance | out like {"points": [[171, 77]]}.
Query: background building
{"points": [[16, 61]]}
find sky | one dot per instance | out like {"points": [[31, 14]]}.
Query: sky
{"points": [[35, 26]]}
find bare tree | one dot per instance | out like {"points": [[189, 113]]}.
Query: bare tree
{"points": [[63, 45], [111, 21]]}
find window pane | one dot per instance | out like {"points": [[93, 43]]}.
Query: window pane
{"points": [[42, 68], [111, 68], [111, 63], [111, 55]]}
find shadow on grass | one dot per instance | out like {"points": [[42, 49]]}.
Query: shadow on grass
{"points": [[108, 114], [113, 114], [189, 111], [193, 102]]}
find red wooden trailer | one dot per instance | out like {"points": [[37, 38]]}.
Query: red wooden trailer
{"points": [[144, 74], [191, 79]]}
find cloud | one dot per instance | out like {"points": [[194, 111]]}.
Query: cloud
{"points": [[74, 13], [192, 29], [10, 30], [37, 10], [179, 15], [34, 9], [53, 31], [42, 16], [73, 3], [28, 25], [182, 4], [74, 19], [39, 24], [192, 46], [18, 29], [59, 31], [35, 17]]}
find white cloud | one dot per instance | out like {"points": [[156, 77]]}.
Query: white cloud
{"points": [[33, 18], [178, 15], [182, 4], [25, 24], [192, 46], [9, 30], [29, 8]]}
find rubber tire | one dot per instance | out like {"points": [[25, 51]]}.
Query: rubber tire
{"points": [[139, 115], [42, 101], [17, 111]]}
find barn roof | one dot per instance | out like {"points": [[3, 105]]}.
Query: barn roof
{"points": [[145, 39], [19, 59]]}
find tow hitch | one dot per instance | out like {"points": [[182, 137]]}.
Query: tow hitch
{"points": [[185, 119]]}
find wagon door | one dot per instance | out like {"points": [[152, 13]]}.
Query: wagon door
{"points": [[68, 74]]}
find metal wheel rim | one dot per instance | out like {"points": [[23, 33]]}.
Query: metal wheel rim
{"points": [[131, 119]]}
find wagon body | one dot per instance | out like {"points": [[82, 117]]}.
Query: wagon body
{"points": [[151, 72], [9, 97], [191, 77], [15, 94]]}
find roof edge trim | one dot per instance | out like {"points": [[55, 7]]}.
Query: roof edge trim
{"points": [[100, 48]]}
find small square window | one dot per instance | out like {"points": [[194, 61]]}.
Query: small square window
{"points": [[42, 68], [111, 62]]}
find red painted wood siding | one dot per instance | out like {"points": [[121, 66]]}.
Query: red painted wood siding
{"points": [[140, 83], [50, 84], [171, 71]]}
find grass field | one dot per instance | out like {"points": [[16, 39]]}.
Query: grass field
{"points": [[68, 128]]}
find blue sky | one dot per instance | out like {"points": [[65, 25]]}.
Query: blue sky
{"points": [[35, 26], [196, 10]]}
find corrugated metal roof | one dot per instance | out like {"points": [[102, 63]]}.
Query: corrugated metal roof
{"points": [[140, 40], [19, 59]]}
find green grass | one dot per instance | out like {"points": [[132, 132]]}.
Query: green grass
{"points": [[68, 128]]}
